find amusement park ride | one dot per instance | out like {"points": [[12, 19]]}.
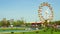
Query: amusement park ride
{"points": [[45, 15], [48, 14]]}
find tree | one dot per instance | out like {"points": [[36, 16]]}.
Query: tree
{"points": [[0, 24], [4, 22], [8, 23]]}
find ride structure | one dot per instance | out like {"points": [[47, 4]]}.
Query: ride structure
{"points": [[48, 16]]}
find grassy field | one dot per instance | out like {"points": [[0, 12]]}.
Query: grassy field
{"points": [[49, 31], [39, 32]]}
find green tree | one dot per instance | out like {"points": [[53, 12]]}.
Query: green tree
{"points": [[8, 23], [4, 22]]}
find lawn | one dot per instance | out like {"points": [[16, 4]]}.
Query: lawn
{"points": [[49, 31], [31, 32], [40, 32]]}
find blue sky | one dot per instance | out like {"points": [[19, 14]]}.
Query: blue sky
{"points": [[26, 9]]}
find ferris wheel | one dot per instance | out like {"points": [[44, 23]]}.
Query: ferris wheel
{"points": [[47, 12]]}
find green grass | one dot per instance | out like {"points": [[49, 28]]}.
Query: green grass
{"points": [[30, 32], [12, 28], [33, 32]]}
